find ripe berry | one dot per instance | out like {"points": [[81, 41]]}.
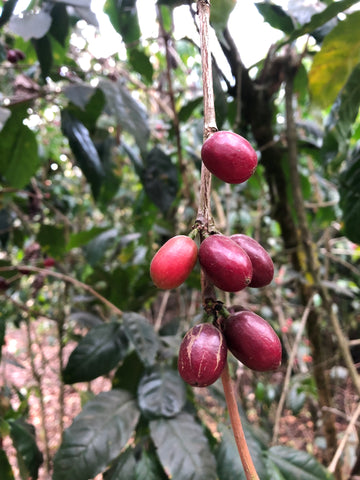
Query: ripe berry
{"points": [[12, 56], [173, 262], [49, 262], [225, 263], [263, 267], [202, 355], [4, 284], [229, 156], [253, 341]]}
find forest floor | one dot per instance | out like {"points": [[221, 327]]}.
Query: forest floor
{"points": [[18, 371]]}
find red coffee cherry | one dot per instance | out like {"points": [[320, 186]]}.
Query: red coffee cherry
{"points": [[253, 341], [202, 355], [226, 264], [11, 56], [173, 262], [49, 262], [263, 267], [229, 156]]}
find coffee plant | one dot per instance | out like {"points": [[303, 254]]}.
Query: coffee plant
{"points": [[181, 229]]}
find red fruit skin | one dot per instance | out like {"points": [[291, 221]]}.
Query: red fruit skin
{"points": [[49, 262], [263, 267], [253, 341], [229, 156], [173, 262], [225, 263], [12, 56], [202, 355]]}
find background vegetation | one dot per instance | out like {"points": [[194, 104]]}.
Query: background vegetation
{"points": [[99, 165]]}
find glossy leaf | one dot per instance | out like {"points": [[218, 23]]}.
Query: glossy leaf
{"points": [[124, 18], [60, 23], [160, 179], [98, 352], [333, 64], [83, 148], [6, 472], [123, 380], [142, 335], [33, 24], [276, 16], [97, 436], [123, 468], [350, 199], [87, 103], [187, 456], [28, 454], [295, 464], [161, 393], [96, 248], [148, 467]]}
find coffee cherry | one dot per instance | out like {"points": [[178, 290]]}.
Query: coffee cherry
{"points": [[225, 263], [202, 355], [11, 56], [4, 284], [253, 341], [48, 262], [263, 267], [173, 262], [229, 156]]}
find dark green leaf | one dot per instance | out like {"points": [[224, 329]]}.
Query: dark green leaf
{"points": [[161, 393], [148, 468], [96, 248], [52, 239], [97, 353], [29, 456], [80, 239], [297, 465], [18, 149], [6, 472], [60, 23], [123, 468], [6, 226], [2, 335], [31, 24], [142, 335], [140, 62], [187, 456], [160, 179], [44, 53], [97, 436], [7, 11], [276, 16], [84, 150], [124, 18], [187, 110], [128, 375], [87, 103], [340, 120], [350, 199]]}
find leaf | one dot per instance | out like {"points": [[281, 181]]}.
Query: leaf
{"points": [[29, 456], [98, 352], [6, 12], [52, 239], [350, 198], [96, 248], [32, 24], [142, 335], [140, 62], [333, 64], [124, 468], [148, 467], [129, 113], [340, 120], [84, 150], [19, 158], [187, 456], [60, 23], [97, 436], [89, 102], [297, 465], [160, 179], [80, 239], [124, 18], [128, 375], [5, 113], [76, 3], [229, 466], [187, 110], [161, 393], [276, 16], [6, 472]]}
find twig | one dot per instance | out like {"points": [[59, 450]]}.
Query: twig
{"points": [[336, 458], [289, 370]]}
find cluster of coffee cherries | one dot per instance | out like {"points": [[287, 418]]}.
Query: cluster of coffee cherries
{"points": [[231, 263]]}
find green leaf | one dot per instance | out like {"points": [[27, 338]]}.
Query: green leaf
{"points": [[129, 113], [7, 11], [123, 468], [229, 466], [140, 62], [31, 24], [160, 179], [340, 120], [44, 54], [19, 158], [80, 239], [350, 198], [142, 335], [87, 103], [29, 456], [276, 16], [52, 239], [97, 436], [187, 110], [124, 18], [295, 464], [97, 247], [6, 472], [148, 467], [128, 375], [84, 150], [161, 393], [60, 23], [333, 64], [98, 352], [187, 456]]}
